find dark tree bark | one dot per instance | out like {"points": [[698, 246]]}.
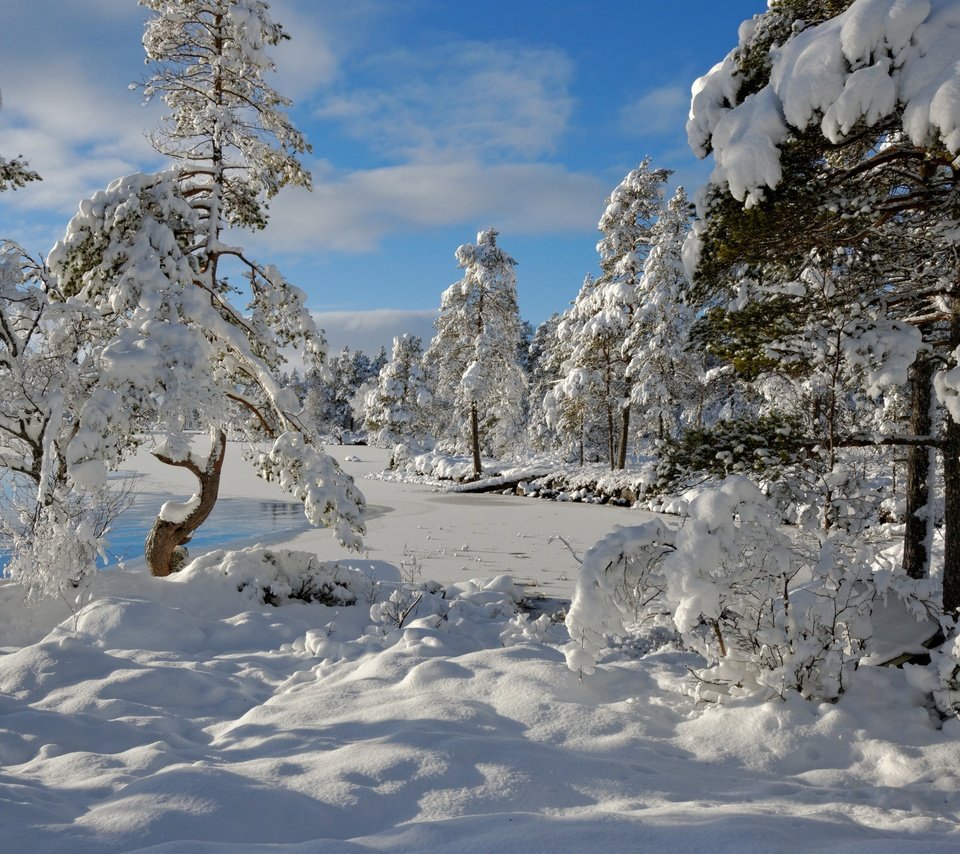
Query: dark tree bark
{"points": [[624, 435], [475, 440], [951, 494], [916, 561], [166, 536], [951, 517], [611, 440]]}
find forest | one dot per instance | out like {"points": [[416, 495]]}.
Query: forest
{"points": [[767, 367]]}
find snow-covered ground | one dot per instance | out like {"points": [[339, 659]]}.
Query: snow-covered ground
{"points": [[180, 715]]}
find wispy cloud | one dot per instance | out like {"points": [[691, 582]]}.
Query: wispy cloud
{"points": [[463, 98], [657, 112], [464, 123], [308, 61], [64, 70], [354, 211], [371, 330]]}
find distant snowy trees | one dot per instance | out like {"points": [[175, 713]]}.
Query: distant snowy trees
{"points": [[598, 325], [479, 387], [395, 409]]}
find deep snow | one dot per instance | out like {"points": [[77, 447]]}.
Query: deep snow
{"points": [[179, 715]]}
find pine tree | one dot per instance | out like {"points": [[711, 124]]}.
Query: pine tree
{"points": [[148, 253], [829, 157], [395, 407], [665, 375], [601, 318], [571, 404], [544, 357], [479, 388]]}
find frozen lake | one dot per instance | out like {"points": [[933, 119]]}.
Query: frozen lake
{"points": [[428, 533]]}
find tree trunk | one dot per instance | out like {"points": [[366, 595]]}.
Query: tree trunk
{"points": [[624, 434], [611, 454], [951, 495], [916, 560], [475, 439], [951, 516], [166, 536]]}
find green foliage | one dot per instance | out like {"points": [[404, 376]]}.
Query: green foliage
{"points": [[758, 446], [814, 210], [15, 174], [743, 338]]}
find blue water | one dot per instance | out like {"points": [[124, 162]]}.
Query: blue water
{"points": [[233, 522]]}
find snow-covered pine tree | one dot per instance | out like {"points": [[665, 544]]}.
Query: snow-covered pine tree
{"points": [[571, 405], [54, 531], [53, 528], [318, 397], [349, 370], [395, 409], [378, 362], [480, 389], [665, 374], [825, 142], [149, 254], [599, 323], [544, 358]]}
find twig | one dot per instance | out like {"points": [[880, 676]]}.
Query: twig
{"points": [[576, 557]]}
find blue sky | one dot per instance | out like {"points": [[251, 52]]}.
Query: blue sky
{"points": [[429, 120]]}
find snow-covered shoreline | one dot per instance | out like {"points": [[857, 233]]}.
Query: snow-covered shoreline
{"points": [[183, 715]]}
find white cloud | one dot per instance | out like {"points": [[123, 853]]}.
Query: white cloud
{"points": [[657, 112], [308, 60], [467, 98], [64, 70], [354, 211], [371, 330]]}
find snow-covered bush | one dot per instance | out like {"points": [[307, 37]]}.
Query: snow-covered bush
{"points": [[273, 576], [766, 617], [55, 552], [430, 605], [946, 684]]}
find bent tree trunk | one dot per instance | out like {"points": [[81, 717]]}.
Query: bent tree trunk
{"points": [[916, 559], [167, 534]]}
